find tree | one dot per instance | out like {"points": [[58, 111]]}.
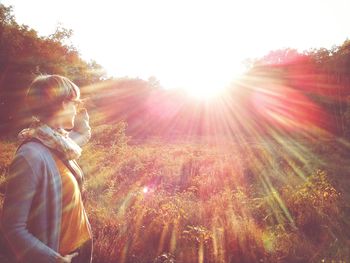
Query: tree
{"points": [[23, 55]]}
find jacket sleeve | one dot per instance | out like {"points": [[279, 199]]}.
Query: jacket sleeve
{"points": [[21, 188], [81, 132]]}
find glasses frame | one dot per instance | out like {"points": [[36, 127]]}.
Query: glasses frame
{"points": [[78, 103]]}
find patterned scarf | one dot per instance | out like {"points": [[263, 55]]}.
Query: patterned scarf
{"points": [[56, 139], [59, 141]]}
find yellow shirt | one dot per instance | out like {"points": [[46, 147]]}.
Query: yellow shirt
{"points": [[75, 228]]}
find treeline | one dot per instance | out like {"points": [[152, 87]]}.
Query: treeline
{"points": [[286, 91], [322, 75]]}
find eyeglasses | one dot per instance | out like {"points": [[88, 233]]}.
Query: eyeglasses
{"points": [[77, 103]]}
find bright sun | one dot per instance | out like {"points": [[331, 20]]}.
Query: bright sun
{"points": [[200, 80], [205, 91], [206, 83]]}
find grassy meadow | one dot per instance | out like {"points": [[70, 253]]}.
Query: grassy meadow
{"points": [[271, 184], [158, 201]]}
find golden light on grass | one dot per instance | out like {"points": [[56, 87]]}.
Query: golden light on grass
{"points": [[229, 195], [218, 167]]}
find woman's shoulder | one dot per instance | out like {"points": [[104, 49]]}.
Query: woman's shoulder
{"points": [[32, 147], [32, 159], [33, 151]]}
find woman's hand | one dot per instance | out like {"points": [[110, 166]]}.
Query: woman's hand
{"points": [[67, 258], [81, 132]]}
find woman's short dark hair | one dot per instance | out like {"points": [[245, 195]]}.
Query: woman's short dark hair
{"points": [[46, 94]]}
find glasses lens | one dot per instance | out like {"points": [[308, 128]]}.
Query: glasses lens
{"points": [[79, 104]]}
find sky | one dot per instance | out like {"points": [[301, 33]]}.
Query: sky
{"points": [[187, 43]]}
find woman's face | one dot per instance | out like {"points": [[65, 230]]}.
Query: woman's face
{"points": [[68, 113]]}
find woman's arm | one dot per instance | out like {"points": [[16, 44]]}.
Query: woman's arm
{"points": [[81, 132], [21, 188]]}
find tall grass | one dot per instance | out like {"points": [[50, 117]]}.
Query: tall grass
{"points": [[196, 202]]}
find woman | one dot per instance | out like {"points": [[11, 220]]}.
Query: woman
{"points": [[43, 217]]}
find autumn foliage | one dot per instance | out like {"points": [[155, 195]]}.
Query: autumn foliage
{"points": [[260, 174]]}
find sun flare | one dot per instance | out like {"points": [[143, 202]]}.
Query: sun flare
{"points": [[205, 92], [203, 83]]}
